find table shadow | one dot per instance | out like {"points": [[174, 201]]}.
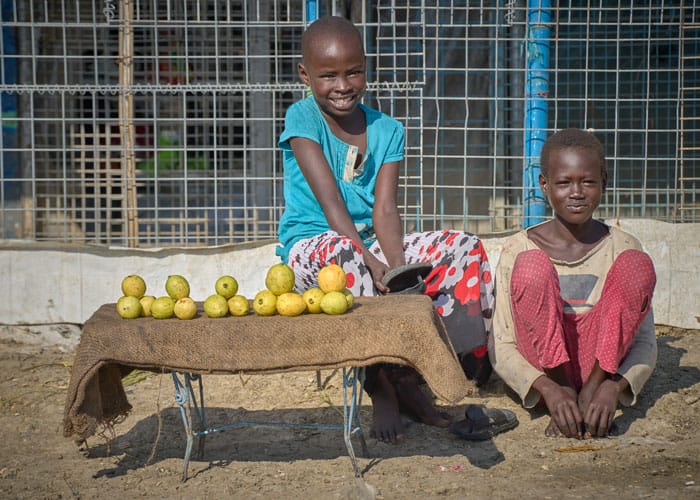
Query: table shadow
{"points": [[161, 436]]}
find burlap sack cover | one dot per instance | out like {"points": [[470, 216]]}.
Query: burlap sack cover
{"points": [[402, 329]]}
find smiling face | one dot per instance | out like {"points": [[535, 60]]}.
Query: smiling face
{"points": [[573, 184], [333, 67]]}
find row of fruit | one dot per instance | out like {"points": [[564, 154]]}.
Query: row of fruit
{"points": [[279, 297]]}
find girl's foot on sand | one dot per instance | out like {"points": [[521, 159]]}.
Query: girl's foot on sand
{"points": [[414, 403], [386, 419], [552, 430]]}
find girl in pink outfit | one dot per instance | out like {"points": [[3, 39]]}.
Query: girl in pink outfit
{"points": [[573, 326]]}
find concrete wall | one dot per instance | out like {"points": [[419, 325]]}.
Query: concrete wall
{"points": [[51, 284]]}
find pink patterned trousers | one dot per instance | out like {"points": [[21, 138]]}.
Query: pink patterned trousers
{"points": [[547, 337]]}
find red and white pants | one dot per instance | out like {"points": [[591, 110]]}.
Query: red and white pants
{"points": [[460, 284]]}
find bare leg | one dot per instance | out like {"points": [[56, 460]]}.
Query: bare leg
{"points": [[414, 402], [386, 418]]}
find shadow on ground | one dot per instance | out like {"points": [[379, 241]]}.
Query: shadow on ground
{"points": [[669, 376], [162, 436]]}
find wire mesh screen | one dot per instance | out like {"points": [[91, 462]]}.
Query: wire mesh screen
{"points": [[155, 122]]}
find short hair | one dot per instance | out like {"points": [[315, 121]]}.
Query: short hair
{"points": [[571, 138], [324, 28]]}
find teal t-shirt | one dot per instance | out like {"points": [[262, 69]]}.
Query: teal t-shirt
{"points": [[303, 216]]}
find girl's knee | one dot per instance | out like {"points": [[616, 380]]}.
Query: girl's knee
{"points": [[532, 266], [635, 259], [633, 274], [637, 264], [533, 273]]}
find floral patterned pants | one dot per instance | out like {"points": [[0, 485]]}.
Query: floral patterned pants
{"points": [[460, 284]]}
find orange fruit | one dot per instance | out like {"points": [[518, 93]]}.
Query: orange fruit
{"points": [[331, 278]]}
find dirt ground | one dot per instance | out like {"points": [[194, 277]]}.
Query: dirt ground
{"points": [[657, 454]]}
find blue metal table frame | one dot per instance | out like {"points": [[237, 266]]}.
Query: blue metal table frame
{"points": [[191, 404]]}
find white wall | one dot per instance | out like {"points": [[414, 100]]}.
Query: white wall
{"points": [[49, 283]]}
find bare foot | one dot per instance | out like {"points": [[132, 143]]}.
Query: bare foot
{"points": [[552, 430], [416, 404], [386, 418]]}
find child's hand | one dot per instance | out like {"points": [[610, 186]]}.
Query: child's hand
{"points": [[601, 410], [563, 407], [377, 269]]}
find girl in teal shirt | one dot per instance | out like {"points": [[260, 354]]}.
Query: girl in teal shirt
{"points": [[341, 172]]}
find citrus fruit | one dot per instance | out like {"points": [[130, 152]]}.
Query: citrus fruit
{"points": [[313, 297], [226, 286], [290, 304], [216, 306], [349, 297], [238, 305], [331, 278], [177, 286], [146, 302], [334, 303], [265, 303], [185, 308], [280, 279], [134, 286], [129, 307], [162, 307]]}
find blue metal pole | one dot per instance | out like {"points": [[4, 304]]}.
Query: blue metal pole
{"points": [[10, 190], [313, 11], [536, 95]]}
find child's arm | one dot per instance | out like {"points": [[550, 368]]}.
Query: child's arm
{"points": [[640, 361], [385, 215], [323, 184], [507, 361]]}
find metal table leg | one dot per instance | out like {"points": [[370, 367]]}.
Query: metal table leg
{"points": [[353, 379], [187, 401]]}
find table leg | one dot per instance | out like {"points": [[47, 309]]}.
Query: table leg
{"points": [[187, 401], [353, 379]]}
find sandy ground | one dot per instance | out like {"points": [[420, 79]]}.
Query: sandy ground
{"points": [[657, 454]]}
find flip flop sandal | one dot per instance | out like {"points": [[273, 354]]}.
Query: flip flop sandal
{"points": [[408, 278], [483, 423]]}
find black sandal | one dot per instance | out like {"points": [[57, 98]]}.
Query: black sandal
{"points": [[408, 278], [483, 423]]}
